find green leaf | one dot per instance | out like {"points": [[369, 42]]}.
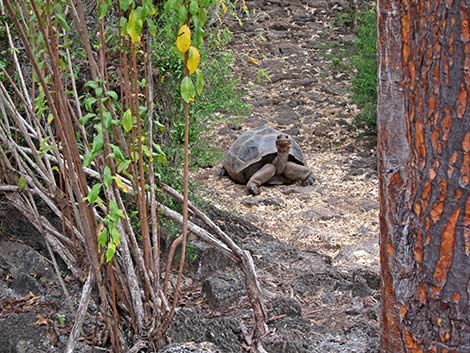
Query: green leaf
{"points": [[152, 27], [110, 251], [112, 94], [44, 147], [123, 26], [94, 193], [84, 119], [87, 159], [62, 21], [193, 7], [117, 153], [115, 236], [182, 15], [187, 89], [202, 16], [89, 103], [168, 6], [91, 84], [107, 177], [98, 142], [199, 81], [199, 36], [103, 9], [22, 184], [158, 149], [124, 4], [103, 237], [108, 119], [122, 166], [158, 152], [127, 120], [114, 212], [50, 118], [146, 152], [61, 319]]}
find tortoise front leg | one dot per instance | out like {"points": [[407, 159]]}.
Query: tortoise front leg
{"points": [[260, 177], [296, 172]]}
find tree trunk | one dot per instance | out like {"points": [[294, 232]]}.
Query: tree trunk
{"points": [[424, 167]]}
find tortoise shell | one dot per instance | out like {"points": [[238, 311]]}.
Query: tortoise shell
{"points": [[253, 149]]}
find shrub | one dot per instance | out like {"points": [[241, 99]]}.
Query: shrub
{"points": [[364, 84]]}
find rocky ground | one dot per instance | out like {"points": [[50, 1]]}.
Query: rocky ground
{"points": [[303, 47], [302, 50], [315, 247]]}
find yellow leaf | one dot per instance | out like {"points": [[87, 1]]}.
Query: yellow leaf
{"points": [[183, 42], [254, 60], [224, 7], [121, 185], [193, 60]]}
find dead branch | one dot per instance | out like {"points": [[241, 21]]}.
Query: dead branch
{"points": [[81, 312]]}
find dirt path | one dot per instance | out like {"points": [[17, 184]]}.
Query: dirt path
{"points": [[300, 45], [328, 263]]}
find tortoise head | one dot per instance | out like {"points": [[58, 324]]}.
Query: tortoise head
{"points": [[283, 143]]}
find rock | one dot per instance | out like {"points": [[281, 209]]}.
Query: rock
{"points": [[322, 214], [278, 27], [327, 281], [329, 299], [304, 190], [286, 306], [286, 116], [225, 131], [191, 347], [252, 218], [372, 279], [24, 283], [293, 131], [28, 268], [360, 287], [370, 204], [356, 307], [223, 289], [209, 260], [362, 231], [357, 171], [20, 229], [304, 231], [19, 335], [268, 201], [189, 325], [361, 163], [290, 336]]}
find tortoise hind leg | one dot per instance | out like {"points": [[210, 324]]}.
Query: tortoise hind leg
{"points": [[260, 177], [296, 172]]}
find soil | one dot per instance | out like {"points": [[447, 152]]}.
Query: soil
{"points": [[315, 247]]}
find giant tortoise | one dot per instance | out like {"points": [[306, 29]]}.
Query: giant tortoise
{"points": [[266, 155]]}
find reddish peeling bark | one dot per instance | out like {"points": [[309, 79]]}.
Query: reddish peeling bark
{"points": [[424, 167]]}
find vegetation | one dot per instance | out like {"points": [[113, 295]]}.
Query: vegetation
{"points": [[364, 84], [94, 118]]}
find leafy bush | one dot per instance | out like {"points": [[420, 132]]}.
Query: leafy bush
{"points": [[364, 84]]}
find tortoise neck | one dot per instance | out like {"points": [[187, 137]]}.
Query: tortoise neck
{"points": [[283, 155], [280, 161]]}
